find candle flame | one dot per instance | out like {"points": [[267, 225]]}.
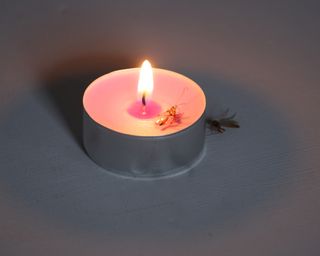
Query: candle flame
{"points": [[145, 84]]}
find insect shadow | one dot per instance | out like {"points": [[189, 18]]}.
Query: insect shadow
{"points": [[221, 122]]}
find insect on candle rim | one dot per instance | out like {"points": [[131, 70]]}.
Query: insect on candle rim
{"points": [[145, 84]]}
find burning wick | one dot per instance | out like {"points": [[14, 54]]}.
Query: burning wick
{"points": [[144, 103], [139, 108], [144, 99]]}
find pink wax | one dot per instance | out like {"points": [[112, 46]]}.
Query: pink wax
{"points": [[150, 110], [111, 101]]}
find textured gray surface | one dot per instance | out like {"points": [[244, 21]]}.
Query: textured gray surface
{"points": [[256, 192]]}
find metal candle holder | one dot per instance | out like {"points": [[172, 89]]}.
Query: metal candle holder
{"points": [[144, 157]]}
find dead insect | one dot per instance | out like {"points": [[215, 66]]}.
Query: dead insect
{"points": [[219, 125], [169, 117]]}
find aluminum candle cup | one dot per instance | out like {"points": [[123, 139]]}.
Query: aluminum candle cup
{"points": [[123, 141]]}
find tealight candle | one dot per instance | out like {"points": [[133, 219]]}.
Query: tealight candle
{"points": [[129, 130]]}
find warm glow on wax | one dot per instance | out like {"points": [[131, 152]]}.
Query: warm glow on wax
{"points": [[145, 84]]}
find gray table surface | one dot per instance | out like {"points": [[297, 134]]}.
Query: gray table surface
{"points": [[256, 192]]}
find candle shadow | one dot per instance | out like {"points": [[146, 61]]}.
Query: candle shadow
{"points": [[65, 83], [243, 169]]}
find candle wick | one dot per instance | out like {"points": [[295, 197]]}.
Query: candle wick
{"points": [[144, 104], [144, 99]]}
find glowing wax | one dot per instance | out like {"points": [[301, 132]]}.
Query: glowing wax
{"points": [[111, 101]]}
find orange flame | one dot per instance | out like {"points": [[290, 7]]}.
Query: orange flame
{"points": [[145, 84]]}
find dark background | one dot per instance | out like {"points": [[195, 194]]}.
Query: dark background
{"points": [[257, 190]]}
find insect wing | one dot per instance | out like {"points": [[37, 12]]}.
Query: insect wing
{"points": [[163, 118]]}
